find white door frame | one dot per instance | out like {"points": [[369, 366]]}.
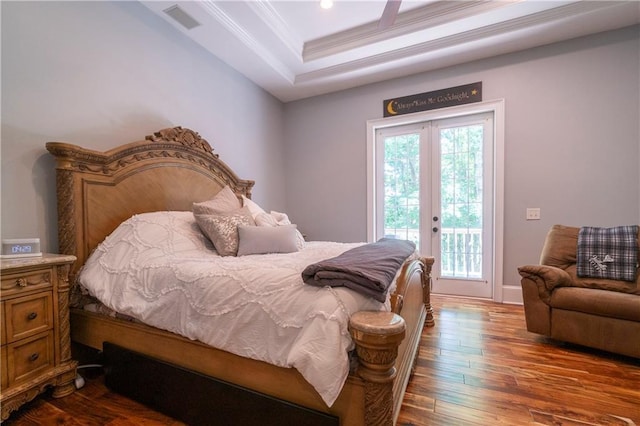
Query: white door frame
{"points": [[497, 108]]}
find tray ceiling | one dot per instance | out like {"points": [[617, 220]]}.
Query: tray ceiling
{"points": [[295, 49]]}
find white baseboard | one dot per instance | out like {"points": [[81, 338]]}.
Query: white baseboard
{"points": [[512, 294]]}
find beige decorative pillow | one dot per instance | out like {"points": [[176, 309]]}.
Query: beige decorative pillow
{"points": [[266, 239], [223, 201], [222, 229], [274, 219]]}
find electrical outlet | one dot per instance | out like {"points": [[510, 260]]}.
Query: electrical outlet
{"points": [[533, 213]]}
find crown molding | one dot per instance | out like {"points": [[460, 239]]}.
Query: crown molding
{"points": [[422, 49], [272, 19], [414, 20], [253, 38], [247, 39]]}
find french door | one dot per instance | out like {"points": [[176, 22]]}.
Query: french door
{"points": [[434, 183]]}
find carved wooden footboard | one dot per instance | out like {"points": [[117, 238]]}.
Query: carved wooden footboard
{"points": [[169, 171], [387, 346]]}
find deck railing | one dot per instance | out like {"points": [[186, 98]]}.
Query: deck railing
{"points": [[460, 250]]}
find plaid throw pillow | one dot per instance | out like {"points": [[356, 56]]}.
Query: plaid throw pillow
{"points": [[610, 253]]}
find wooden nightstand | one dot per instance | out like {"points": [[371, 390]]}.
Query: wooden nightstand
{"points": [[36, 344]]}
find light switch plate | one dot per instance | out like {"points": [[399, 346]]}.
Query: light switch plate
{"points": [[533, 213]]}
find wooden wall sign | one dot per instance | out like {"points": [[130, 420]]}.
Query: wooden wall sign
{"points": [[442, 98]]}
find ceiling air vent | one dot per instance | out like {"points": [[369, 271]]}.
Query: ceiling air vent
{"points": [[182, 17]]}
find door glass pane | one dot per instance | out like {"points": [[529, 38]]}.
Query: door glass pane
{"points": [[461, 201], [401, 187]]}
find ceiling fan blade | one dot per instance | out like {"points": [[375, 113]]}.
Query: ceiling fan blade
{"points": [[389, 14]]}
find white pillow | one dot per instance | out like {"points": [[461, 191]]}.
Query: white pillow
{"points": [[262, 218], [266, 239], [265, 219], [278, 219], [253, 207]]}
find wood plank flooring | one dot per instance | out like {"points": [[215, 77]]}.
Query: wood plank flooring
{"points": [[477, 366]]}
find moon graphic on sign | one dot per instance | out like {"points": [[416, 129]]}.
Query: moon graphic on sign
{"points": [[390, 109]]}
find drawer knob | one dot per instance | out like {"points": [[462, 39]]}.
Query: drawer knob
{"points": [[22, 282], [34, 356], [32, 315]]}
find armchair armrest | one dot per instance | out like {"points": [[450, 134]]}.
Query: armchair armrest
{"points": [[546, 278], [550, 276]]}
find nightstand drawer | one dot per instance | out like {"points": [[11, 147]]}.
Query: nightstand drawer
{"points": [[34, 322], [27, 281], [28, 315], [30, 357]]}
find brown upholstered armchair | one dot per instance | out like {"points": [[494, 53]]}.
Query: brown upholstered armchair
{"points": [[595, 312]]}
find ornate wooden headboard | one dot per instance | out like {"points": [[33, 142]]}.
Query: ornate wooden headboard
{"points": [[96, 191]]}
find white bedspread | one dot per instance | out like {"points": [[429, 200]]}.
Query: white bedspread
{"points": [[161, 270]]}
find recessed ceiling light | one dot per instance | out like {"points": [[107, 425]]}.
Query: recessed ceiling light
{"points": [[326, 4]]}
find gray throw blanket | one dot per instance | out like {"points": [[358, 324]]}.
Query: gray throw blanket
{"points": [[368, 269], [610, 253]]}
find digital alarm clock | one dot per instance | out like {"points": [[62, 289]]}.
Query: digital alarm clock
{"points": [[21, 247]]}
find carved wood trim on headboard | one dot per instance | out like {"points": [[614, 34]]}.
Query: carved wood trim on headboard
{"points": [[184, 136], [96, 191]]}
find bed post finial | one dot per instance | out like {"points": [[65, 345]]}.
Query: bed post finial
{"points": [[427, 264], [377, 335], [183, 136]]}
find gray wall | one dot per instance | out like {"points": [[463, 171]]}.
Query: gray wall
{"points": [[99, 74], [572, 139]]}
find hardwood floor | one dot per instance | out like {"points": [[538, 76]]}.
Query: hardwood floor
{"points": [[477, 366]]}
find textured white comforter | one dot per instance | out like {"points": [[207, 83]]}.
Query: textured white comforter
{"points": [[161, 270]]}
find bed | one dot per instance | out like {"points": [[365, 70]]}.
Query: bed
{"points": [[169, 171]]}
